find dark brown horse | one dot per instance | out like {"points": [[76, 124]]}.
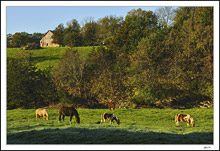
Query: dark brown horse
{"points": [[110, 105], [68, 111]]}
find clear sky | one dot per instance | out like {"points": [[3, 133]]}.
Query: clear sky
{"points": [[43, 18]]}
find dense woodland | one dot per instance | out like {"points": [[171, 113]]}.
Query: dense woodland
{"points": [[147, 59]]}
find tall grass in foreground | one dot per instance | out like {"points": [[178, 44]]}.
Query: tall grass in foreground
{"points": [[138, 126]]}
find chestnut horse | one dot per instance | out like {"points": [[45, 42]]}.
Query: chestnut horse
{"points": [[69, 111], [184, 118], [42, 112], [110, 105]]}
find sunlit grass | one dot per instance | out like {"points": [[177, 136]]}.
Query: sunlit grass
{"points": [[137, 126], [48, 56]]}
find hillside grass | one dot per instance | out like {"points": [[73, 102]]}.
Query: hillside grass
{"points": [[138, 126], [48, 56]]}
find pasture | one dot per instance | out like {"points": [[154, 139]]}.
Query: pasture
{"points": [[138, 126], [48, 56]]}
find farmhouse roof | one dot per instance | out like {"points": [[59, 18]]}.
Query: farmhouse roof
{"points": [[51, 30], [47, 32]]}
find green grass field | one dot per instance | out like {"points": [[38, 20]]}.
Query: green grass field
{"points": [[48, 56], [138, 126]]}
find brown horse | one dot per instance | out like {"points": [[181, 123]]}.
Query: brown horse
{"points": [[109, 116], [184, 118], [110, 105], [69, 111], [42, 112]]}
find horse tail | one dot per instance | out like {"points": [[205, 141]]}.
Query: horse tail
{"points": [[59, 116], [60, 112], [176, 117], [102, 117], [36, 113]]}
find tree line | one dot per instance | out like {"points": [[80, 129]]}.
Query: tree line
{"points": [[21, 39], [165, 56]]}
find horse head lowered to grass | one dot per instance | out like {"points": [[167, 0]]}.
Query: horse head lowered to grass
{"points": [[184, 118], [109, 116], [68, 111], [42, 112]]}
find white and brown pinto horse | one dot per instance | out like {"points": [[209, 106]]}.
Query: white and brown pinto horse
{"points": [[109, 116], [184, 118], [42, 112]]}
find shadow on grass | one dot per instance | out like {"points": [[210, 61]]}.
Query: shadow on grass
{"points": [[41, 59], [105, 136], [26, 127]]}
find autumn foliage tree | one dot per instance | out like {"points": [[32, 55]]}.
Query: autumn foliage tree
{"points": [[68, 76], [145, 58]]}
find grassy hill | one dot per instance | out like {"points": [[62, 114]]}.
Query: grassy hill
{"points": [[48, 56], [138, 126]]}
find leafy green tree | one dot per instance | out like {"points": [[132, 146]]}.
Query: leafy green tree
{"points": [[36, 37], [33, 41], [175, 63], [72, 36], [192, 45], [108, 27], [137, 25], [120, 42], [100, 77], [27, 87], [9, 40], [20, 39], [150, 64], [90, 33], [141, 23], [69, 74], [106, 76], [58, 35], [141, 18]]}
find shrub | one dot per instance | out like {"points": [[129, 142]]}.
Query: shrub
{"points": [[27, 87], [31, 46]]}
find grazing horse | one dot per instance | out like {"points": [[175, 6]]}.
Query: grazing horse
{"points": [[42, 112], [184, 118], [110, 105], [68, 111], [109, 116]]}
